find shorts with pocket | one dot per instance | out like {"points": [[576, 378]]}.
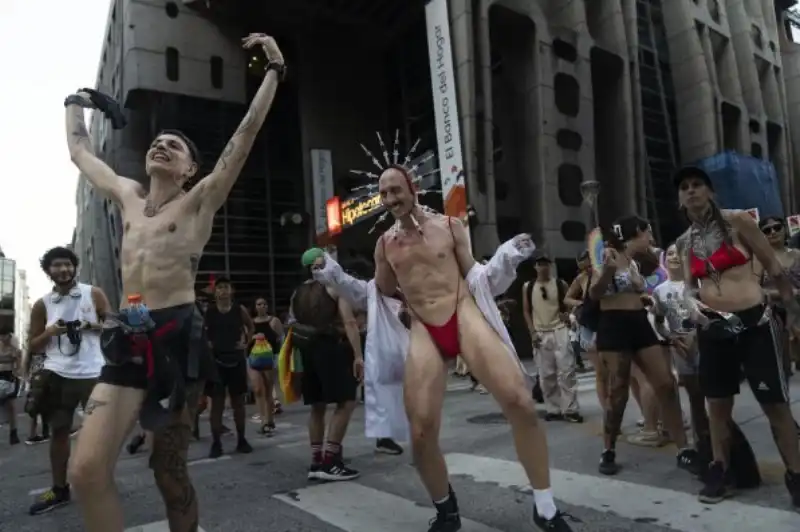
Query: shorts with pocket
{"points": [[55, 398]]}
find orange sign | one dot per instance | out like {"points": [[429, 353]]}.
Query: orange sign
{"points": [[333, 210]]}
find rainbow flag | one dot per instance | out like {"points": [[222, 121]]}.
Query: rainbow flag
{"points": [[289, 371]]}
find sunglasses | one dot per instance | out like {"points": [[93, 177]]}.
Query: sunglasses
{"points": [[770, 229]]}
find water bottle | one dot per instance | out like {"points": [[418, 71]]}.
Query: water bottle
{"points": [[136, 312]]}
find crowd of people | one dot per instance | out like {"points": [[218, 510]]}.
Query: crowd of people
{"points": [[726, 311]]}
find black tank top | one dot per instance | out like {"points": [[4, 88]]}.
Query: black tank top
{"points": [[225, 328], [312, 305], [264, 327]]}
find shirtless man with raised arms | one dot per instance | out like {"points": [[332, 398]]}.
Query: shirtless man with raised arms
{"points": [[428, 256], [165, 231]]}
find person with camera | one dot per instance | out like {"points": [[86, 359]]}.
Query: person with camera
{"points": [[65, 325]]}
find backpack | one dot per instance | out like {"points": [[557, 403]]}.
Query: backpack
{"points": [[589, 315], [561, 294]]}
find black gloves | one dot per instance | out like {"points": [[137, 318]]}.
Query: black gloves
{"points": [[103, 103]]}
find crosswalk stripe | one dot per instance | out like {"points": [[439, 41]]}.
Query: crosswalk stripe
{"points": [[672, 509], [357, 508], [160, 526]]}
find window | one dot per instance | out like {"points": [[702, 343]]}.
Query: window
{"points": [[567, 94], [573, 231], [217, 72], [568, 139], [173, 65], [172, 9], [570, 178]]}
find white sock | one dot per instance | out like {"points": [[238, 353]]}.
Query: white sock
{"points": [[442, 501], [545, 505]]}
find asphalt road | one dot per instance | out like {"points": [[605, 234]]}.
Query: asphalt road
{"points": [[268, 491]]}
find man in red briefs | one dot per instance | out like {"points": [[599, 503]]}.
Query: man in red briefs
{"points": [[427, 257]]}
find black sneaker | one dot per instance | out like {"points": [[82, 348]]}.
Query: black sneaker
{"points": [[553, 417], [445, 523], [793, 485], [244, 447], [537, 393], [608, 463], [556, 524], [313, 471], [388, 446], [50, 500], [337, 472], [689, 460], [717, 485], [35, 440], [13, 437], [216, 450], [573, 417]]}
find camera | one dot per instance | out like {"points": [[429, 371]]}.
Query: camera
{"points": [[74, 329]]}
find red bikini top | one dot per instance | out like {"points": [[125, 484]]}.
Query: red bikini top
{"points": [[724, 258]]}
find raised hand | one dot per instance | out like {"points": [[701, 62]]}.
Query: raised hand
{"points": [[267, 43], [524, 243]]}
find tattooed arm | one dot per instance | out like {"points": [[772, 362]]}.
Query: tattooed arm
{"points": [[213, 190], [99, 174]]}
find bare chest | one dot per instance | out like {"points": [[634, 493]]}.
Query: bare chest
{"points": [[169, 232], [431, 251]]}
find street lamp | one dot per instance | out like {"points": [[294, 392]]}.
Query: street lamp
{"points": [[590, 190]]}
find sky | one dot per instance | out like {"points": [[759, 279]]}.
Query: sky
{"points": [[47, 51]]}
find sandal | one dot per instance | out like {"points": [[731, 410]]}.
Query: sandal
{"points": [[267, 429]]}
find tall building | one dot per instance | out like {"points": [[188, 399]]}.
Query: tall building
{"points": [[22, 307], [549, 94]]}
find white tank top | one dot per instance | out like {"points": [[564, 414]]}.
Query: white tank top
{"points": [[87, 362]]}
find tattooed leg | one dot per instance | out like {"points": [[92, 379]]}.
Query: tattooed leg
{"points": [[618, 369], [168, 461]]}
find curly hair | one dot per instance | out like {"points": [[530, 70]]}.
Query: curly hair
{"points": [[57, 253]]}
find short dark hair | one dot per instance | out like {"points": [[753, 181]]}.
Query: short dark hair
{"points": [[222, 280], [56, 253], [193, 151]]}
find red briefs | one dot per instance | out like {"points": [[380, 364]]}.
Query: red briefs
{"points": [[446, 337]]}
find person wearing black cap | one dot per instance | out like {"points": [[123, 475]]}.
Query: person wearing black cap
{"points": [[325, 331], [737, 333], [547, 318]]}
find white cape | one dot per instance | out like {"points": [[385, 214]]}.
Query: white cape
{"points": [[388, 339]]}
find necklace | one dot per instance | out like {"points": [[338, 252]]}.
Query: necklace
{"points": [[150, 209]]}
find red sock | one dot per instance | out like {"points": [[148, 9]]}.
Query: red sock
{"points": [[333, 451], [316, 453]]}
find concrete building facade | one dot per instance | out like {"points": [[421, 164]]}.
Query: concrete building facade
{"points": [[551, 94]]}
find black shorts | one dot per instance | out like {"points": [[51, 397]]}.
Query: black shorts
{"points": [[185, 344], [756, 354], [624, 331], [230, 378], [328, 371], [55, 398]]}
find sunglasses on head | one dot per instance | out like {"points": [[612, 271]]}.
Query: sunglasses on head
{"points": [[770, 229]]}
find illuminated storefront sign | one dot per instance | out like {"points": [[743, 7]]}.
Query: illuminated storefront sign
{"points": [[355, 210], [333, 212]]}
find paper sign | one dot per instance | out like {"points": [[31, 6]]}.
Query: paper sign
{"points": [[793, 223], [754, 213]]}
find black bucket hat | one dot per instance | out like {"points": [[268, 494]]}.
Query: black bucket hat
{"points": [[691, 171]]}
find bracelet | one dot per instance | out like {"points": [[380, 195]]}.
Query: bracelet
{"points": [[279, 68], [74, 99]]}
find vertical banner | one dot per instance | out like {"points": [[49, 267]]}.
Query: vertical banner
{"points": [[322, 187], [445, 104]]}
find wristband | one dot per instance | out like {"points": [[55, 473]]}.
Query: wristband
{"points": [[279, 68]]}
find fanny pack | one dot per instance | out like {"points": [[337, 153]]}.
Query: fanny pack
{"points": [[726, 325], [123, 343], [305, 336]]}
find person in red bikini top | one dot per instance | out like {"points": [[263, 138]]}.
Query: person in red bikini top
{"points": [[723, 253], [427, 257]]}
